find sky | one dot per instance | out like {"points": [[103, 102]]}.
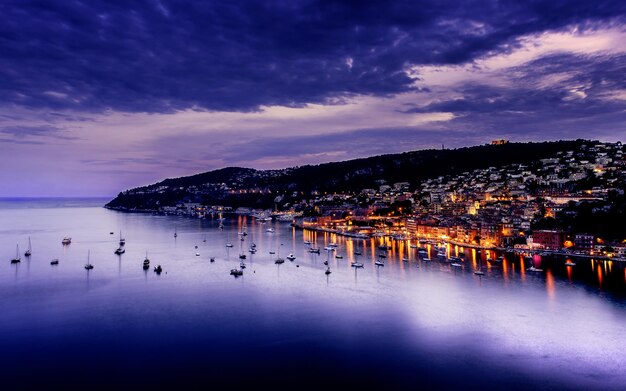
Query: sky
{"points": [[99, 96]]}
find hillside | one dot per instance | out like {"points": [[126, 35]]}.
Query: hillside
{"points": [[234, 186]]}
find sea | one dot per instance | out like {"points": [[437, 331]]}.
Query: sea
{"points": [[410, 324]]}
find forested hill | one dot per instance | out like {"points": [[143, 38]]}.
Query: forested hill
{"points": [[234, 186]]}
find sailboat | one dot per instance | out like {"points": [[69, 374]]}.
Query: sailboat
{"points": [[279, 260], [28, 252], [88, 266], [204, 240], [122, 240], [146, 262], [175, 232], [17, 258]]}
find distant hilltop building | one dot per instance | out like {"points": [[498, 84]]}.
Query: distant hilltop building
{"points": [[499, 142]]}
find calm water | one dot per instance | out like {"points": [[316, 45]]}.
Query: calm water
{"points": [[408, 324]]}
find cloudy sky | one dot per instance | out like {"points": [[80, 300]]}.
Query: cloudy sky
{"points": [[97, 96]]}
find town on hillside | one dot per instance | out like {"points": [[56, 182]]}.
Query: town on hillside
{"points": [[572, 202]]}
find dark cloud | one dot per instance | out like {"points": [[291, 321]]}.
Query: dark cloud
{"points": [[159, 56], [42, 131], [563, 93]]}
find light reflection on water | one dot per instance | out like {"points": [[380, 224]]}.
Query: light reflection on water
{"points": [[375, 321]]}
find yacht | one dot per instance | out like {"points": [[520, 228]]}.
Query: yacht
{"points": [[17, 258], [88, 266], [236, 272], [66, 240], [356, 264], [28, 252], [146, 262]]}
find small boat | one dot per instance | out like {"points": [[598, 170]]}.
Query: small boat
{"points": [[197, 254], [253, 245], [333, 245], [356, 264], [455, 264], [327, 272], [17, 258], [357, 253], [242, 256], [291, 257], [242, 265], [413, 246], [570, 263], [270, 230], [328, 248], [195, 246], [120, 250], [236, 272], [426, 259], [212, 259], [88, 266], [534, 269], [111, 233], [381, 255], [379, 263], [499, 259], [405, 259], [28, 252], [66, 240], [252, 250], [314, 250], [158, 269], [339, 256], [479, 273], [54, 262], [307, 243], [229, 244], [279, 261], [272, 252]]}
